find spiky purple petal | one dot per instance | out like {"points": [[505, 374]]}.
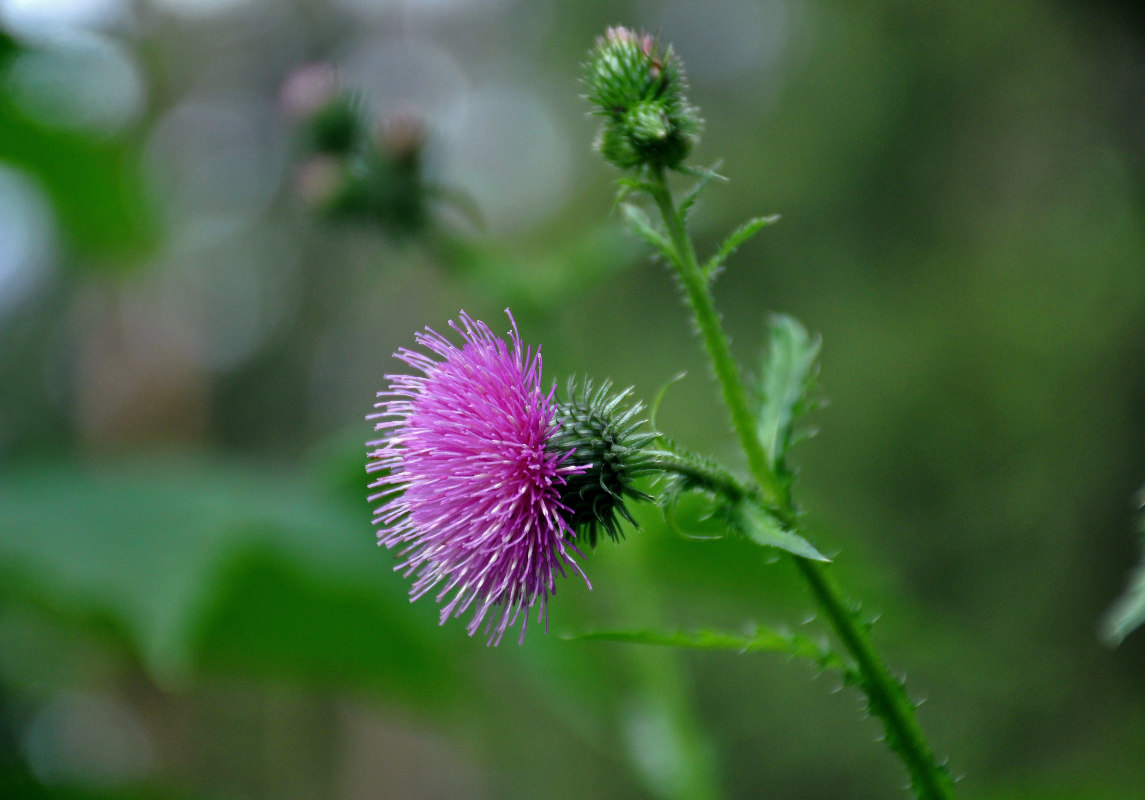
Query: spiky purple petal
{"points": [[467, 486]]}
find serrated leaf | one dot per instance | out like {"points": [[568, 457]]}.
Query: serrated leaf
{"points": [[789, 369], [766, 530], [734, 240], [640, 224], [762, 640]]}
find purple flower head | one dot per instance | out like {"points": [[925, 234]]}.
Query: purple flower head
{"points": [[468, 487]]}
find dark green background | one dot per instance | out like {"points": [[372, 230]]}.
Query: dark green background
{"points": [[184, 537]]}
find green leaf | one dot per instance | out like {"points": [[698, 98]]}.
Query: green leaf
{"points": [[706, 175], [734, 240], [95, 186], [640, 224], [789, 370], [762, 640], [765, 529]]}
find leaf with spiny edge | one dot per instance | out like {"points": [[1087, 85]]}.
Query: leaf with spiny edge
{"points": [[735, 239], [767, 530]]}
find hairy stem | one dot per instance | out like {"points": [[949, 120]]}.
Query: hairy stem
{"points": [[886, 696], [716, 341], [702, 474]]}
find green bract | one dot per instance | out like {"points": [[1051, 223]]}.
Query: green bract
{"points": [[638, 88], [602, 435]]}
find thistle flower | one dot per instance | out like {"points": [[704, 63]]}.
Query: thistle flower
{"points": [[638, 88], [469, 486]]}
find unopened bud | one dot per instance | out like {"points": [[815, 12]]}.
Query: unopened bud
{"points": [[638, 87]]}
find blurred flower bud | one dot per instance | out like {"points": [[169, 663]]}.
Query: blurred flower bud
{"points": [[638, 87], [401, 137], [330, 117], [354, 168], [608, 455], [308, 90], [320, 181], [336, 127]]}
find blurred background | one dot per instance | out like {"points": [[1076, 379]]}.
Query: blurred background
{"points": [[191, 601]]}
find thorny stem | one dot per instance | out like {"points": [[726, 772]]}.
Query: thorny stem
{"points": [[886, 696]]}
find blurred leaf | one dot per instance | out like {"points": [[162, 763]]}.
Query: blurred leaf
{"points": [[626, 187], [641, 225], [705, 176], [733, 242], [762, 640], [541, 275], [272, 617], [94, 184], [1128, 613], [18, 785], [205, 564], [8, 47], [789, 370], [765, 529]]}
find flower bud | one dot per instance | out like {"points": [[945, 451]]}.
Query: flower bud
{"points": [[638, 87], [328, 116], [401, 137], [608, 454]]}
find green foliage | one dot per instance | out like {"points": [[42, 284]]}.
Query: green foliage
{"points": [[735, 239], [790, 365], [704, 175], [540, 274], [766, 529], [1128, 613], [17, 785], [208, 565], [760, 640], [641, 225], [95, 184]]}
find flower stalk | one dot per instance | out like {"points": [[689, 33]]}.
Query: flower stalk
{"points": [[886, 696]]}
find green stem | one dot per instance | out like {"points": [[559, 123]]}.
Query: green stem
{"points": [[702, 474], [716, 342], [886, 696]]}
